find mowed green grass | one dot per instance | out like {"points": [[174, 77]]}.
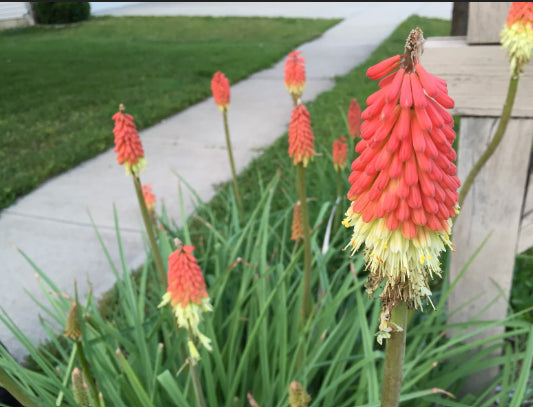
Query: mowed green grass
{"points": [[60, 86]]}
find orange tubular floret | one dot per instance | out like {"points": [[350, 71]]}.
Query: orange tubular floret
{"points": [[384, 67]]}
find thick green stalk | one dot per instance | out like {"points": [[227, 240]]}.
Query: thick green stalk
{"points": [[232, 163], [150, 230], [15, 390], [87, 373], [306, 299], [200, 400], [498, 136], [394, 356]]}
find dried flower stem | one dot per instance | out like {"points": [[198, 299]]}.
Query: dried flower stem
{"points": [[306, 298], [149, 230], [495, 142], [15, 390], [232, 163], [87, 373], [394, 357]]}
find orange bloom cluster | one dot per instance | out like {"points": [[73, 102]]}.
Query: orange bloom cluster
{"points": [[517, 35], [149, 197], [295, 74], [354, 118], [520, 10], [340, 153], [404, 183], [296, 227], [301, 139], [127, 143], [221, 91], [405, 173], [187, 295], [185, 280]]}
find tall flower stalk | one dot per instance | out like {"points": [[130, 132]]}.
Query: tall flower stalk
{"points": [[301, 149], [130, 153], [517, 38], [221, 94], [403, 193]]}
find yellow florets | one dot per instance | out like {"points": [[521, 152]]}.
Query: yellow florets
{"points": [[518, 39], [189, 317], [406, 265]]}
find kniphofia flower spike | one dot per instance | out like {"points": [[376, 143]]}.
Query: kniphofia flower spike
{"points": [[295, 75], [221, 91], [127, 143], [517, 35], [301, 139], [149, 197], [187, 295], [340, 153], [354, 118], [404, 184]]}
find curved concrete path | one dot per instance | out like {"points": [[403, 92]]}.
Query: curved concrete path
{"points": [[52, 226]]}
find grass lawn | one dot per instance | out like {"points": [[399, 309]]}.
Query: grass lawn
{"points": [[62, 85]]}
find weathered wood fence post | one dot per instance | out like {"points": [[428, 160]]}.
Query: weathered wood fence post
{"points": [[499, 203]]}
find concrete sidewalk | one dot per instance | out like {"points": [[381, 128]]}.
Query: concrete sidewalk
{"points": [[52, 226]]}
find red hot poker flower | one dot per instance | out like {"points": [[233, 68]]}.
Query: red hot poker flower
{"points": [[404, 184], [340, 153], [221, 91], [354, 118], [301, 139], [295, 74], [187, 294], [127, 143], [149, 197], [517, 35]]}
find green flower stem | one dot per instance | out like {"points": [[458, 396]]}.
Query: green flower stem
{"points": [[198, 392], [306, 299], [498, 136], [15, 390], [149, 230], [232, 163], [394, 356], [338, 210], [87, 373]]}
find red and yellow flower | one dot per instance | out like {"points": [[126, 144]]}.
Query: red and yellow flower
{"points": [[295, 74], [221, 91], [404, 183], [187, 295], [517, 35], [128, 143], [354, 118], [149, 197], [297, 231], [340, 153], [301, 139]]}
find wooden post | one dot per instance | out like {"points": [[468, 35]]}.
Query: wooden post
{"points": [[478, 76]]}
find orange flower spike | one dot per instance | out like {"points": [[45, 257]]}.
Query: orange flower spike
{"points": [[221, 91], [517, 35], [187, 294], [127, 143], [404, 183], [149, 197], [354, 118], [295, 74], [340, 153], [296, 226], [301, 139]]}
